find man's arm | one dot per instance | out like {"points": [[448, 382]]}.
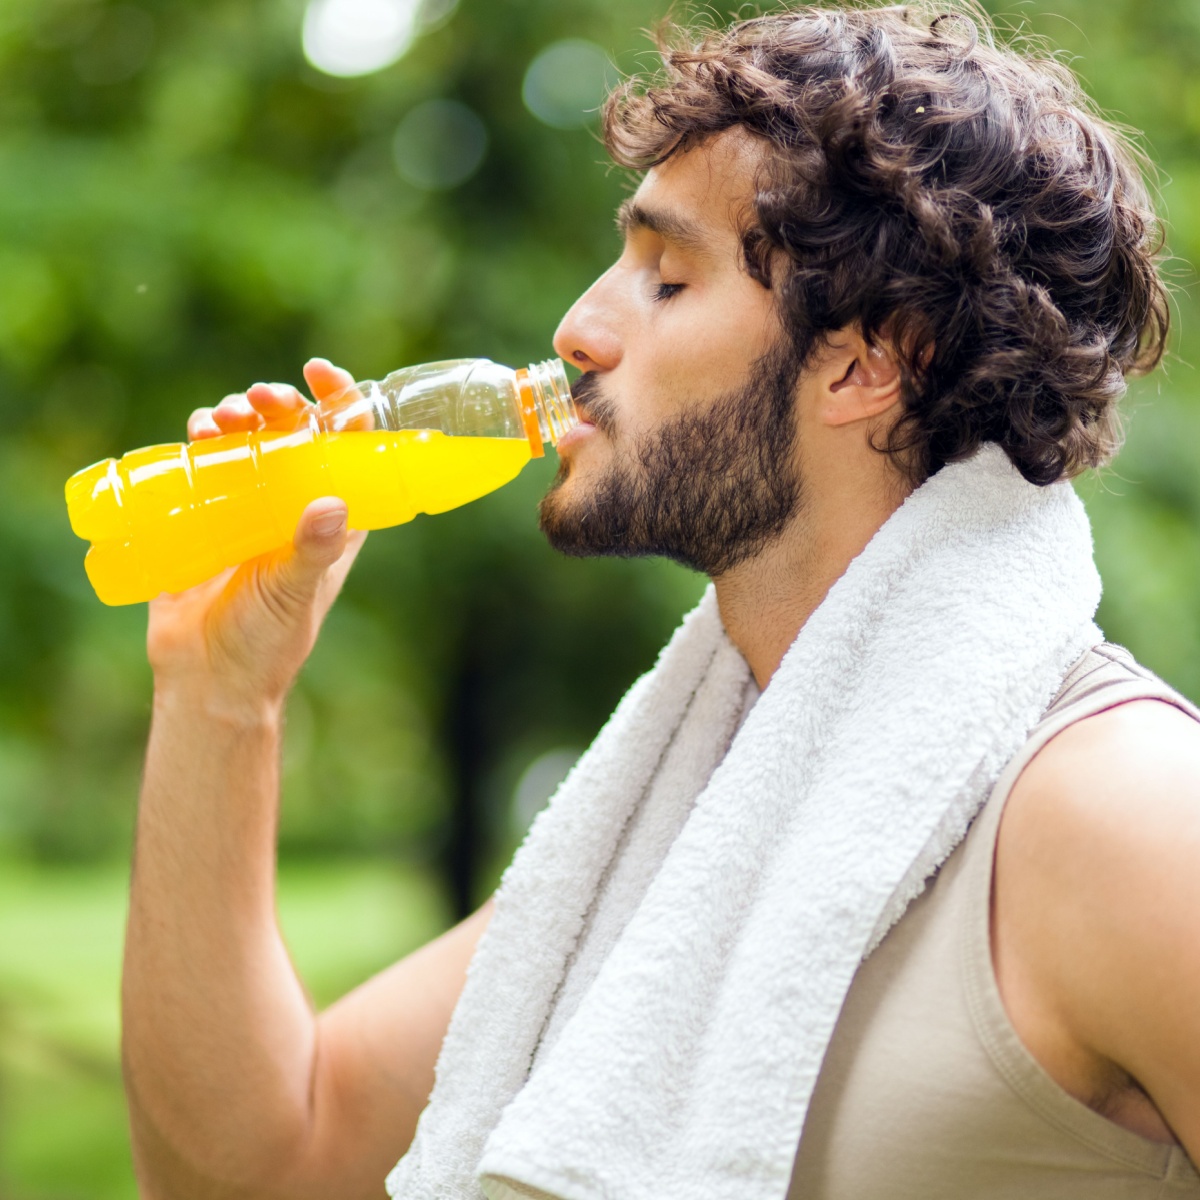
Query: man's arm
{"points": [[236, 1088], [1096, 922]]}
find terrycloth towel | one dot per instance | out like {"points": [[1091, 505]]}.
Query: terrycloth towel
{"points": [[687, 1068], [701, 741]]}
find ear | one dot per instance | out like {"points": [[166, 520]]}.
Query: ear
{"points": [[858, 381]]}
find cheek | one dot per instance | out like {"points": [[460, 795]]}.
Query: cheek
{"points": [[742, 319], [709, 341]]}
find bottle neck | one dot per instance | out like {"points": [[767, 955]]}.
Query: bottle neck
{"points": [[546, 405]]}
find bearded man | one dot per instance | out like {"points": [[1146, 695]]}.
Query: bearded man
{"points": [[882, 884]]}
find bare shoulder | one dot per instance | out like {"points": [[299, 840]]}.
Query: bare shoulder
{"points": [[1109, 805], [1096, 918], [1130, 772], [1106, 819]]}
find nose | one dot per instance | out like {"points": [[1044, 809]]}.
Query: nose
{"points": [[587, 336]]}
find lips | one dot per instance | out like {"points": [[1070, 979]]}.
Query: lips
{"points": [[576, 434], [591, 407]]}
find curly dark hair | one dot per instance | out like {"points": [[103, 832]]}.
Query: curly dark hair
{"points": [[955, 198]]}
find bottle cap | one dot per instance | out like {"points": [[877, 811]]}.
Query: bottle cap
{"points": [[547, 410], [529, 416]]}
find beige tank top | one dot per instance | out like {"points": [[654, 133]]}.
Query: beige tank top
{"points": [[926, 1092]]}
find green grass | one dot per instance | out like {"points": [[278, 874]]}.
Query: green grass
{"points": [[62, 1116]]}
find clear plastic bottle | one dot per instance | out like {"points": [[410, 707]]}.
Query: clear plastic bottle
{"points": [[425, 439]]}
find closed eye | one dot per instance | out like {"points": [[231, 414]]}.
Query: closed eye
{"points": [[664, 291]]}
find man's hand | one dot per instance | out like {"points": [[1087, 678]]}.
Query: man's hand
{"points": [[269, 405], [242, 636], [236, 1087]]}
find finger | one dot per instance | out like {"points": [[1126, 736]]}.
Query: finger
{"points": [[279, 404], [325, 379], [236, 415], [343, 402], [320, 540], [362, 418], [322, 528], [201, 425], [336, 575]]}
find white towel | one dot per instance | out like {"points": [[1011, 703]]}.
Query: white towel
{"points": [[687, 1068], [701, 741]]}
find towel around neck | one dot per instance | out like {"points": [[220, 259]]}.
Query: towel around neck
{"points": [[686, 1069]]}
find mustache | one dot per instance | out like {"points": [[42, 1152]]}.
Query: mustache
{"points": [[593, 405]]}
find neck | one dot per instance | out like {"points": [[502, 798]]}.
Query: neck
{"points": [[765, 601]]}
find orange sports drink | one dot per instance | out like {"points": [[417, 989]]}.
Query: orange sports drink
{"points": [[425, 439]]}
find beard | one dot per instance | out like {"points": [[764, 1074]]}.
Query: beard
{"points": [[708, 489]]}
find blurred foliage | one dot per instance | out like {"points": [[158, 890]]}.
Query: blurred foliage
{"points": [[186, 206]]}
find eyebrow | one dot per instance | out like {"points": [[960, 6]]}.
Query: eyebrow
{"points": [[667, 225]]}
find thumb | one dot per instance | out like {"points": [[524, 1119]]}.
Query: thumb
{"points": [[318, 544]]}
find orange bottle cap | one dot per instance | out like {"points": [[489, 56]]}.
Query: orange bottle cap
{"points": [[529, 415]]}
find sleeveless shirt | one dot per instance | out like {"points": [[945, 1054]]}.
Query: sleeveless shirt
{"points": [[926, 1091]]}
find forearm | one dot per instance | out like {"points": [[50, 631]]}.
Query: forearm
{"points": [[219, 1037]]}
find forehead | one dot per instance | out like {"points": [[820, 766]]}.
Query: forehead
{"points": [[708, 187]]}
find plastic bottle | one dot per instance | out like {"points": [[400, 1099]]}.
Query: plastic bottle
{"points": [[425, 439]]}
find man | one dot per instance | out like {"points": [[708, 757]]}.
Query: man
{"points": [[864, 244]]}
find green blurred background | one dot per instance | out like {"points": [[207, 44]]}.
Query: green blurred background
{"points": [[194, 197]]}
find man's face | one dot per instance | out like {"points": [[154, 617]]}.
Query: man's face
{"points": [[687, 449]]}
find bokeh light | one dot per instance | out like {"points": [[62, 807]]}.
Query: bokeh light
{"points": [[439, 145], [566, 83], [539, 781], [356, 37]]}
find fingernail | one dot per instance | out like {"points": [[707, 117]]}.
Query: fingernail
{"points": [[327, 524]]}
